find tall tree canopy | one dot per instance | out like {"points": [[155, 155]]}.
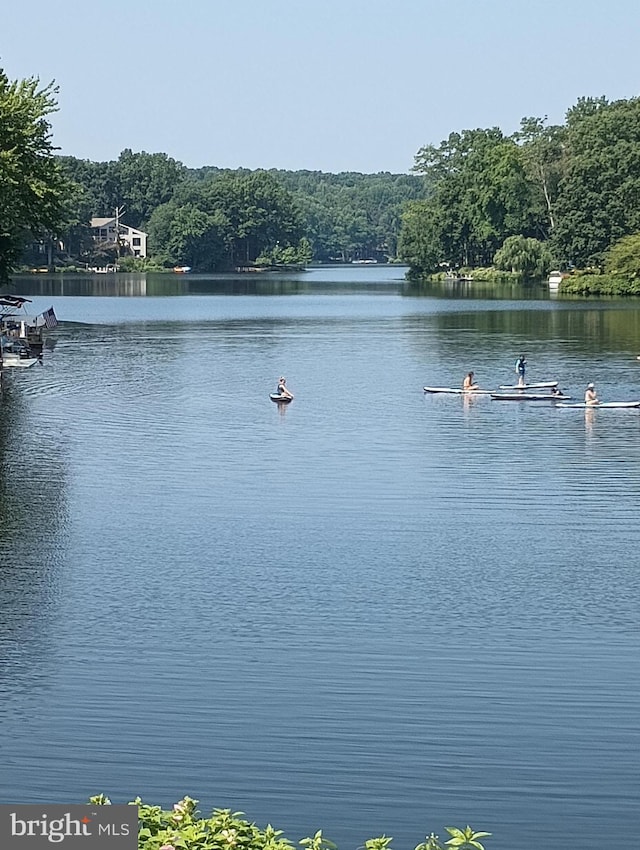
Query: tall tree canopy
{"points": [[599, 199], [138, 182], [342, 216], [481, 194], [574, 187], [225, 220], [34, 194]]}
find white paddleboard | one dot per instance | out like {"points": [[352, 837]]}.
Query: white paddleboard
{"points": [[542, 385], [528, 397], [455, 391], [619, 404]]}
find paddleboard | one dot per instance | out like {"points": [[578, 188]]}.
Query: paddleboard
{"points": [[539, 386], [528, 397], [584, 406], [455, 391], [280, 399]]}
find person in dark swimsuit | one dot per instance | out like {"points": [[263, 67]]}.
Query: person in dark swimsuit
{"points": [[521, 365], [282, 388]]}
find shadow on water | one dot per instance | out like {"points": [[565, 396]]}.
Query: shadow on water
{"points": [[32, 519], [158, 285]]}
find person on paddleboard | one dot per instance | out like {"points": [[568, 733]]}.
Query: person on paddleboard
{"points": [[282, 388], [590, 396], [469, 383], [521, 366]]}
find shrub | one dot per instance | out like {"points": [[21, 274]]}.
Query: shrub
{"points": [[182, 828]]}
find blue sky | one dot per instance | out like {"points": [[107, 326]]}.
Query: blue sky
{"points": [[330, 85]]}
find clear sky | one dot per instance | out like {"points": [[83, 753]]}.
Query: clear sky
{"points": [[329, 85]]}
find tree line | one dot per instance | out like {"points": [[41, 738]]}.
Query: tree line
{"points": [[214, 219], [209, 218], [564, 195]]}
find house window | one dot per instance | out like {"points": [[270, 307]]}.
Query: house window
{"points": [[136, 240]]}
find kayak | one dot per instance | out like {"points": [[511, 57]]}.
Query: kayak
{"points": [[583, 406], [280, 399], [528, 397], [455, 392], [543, 385]]}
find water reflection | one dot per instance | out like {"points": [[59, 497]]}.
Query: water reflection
{"points": [[485, 290], [332, 609], [338, 279], [32, 519], [159, 285]]}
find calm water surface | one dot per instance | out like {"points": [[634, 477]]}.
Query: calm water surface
{"points": [[370, 611]]}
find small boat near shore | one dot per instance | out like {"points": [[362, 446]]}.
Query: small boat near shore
{"points": [[280, 399], [454, 391], [18, 359], [554, 281]]}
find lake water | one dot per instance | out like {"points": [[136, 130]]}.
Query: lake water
{"points": [[370, 611]]}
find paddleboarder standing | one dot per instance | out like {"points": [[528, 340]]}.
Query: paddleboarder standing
{"points": [[521, 366]]}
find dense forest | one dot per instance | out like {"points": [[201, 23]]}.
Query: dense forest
{"points": [[565, 195], [562, 195], [215, 219]]}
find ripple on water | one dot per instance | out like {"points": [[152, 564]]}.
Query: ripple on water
{"points": [[370, 611]]}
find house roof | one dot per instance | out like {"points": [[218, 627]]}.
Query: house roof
{"points": [[106, 222]]}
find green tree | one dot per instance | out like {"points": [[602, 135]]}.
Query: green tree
{"points": [[599, 198], [623, 257], [33, 189], [421, 237], [185, 235], [224, 220], [525, 256], [481, 195], [144, 181], [544, 156]]}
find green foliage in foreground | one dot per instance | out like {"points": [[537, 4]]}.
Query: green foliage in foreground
{"points": [[183, 828]]}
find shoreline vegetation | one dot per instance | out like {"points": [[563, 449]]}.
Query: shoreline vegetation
{"points": [[507, 208], [590, 282], [184, 828]]}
